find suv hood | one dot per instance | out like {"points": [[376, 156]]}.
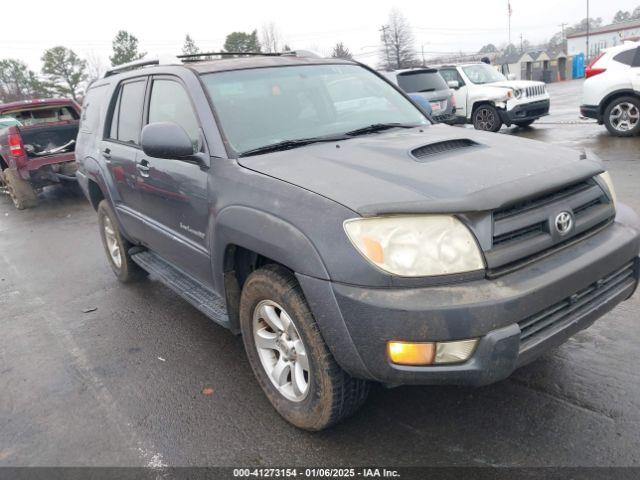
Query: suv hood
{"points": [[377, 174], [516, 84]]}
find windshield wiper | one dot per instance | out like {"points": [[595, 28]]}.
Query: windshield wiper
{"points": [[290, 144], [378, 127]]}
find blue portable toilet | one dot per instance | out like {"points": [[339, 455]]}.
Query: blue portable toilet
{"points": [[577, 70]]}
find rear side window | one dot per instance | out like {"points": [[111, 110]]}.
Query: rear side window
{"points": [[170, 103], [413, 82], [91, 108], [451, 75], [629, 57], [126, 119]]}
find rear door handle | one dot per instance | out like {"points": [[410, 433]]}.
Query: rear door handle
{"points": [[106, 153], [143, 167]]}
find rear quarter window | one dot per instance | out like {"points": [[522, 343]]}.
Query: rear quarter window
{"points": [[629, 57], [92, 108]]}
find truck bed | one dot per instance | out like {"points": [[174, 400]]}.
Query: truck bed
{"points": [[49, 139]]}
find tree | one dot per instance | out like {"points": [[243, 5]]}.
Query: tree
{"points": [[340, 51], [95, 67], [510, 50], [398, 49], [125, 49], [581, 26], [621, 16], [270, 38], [64, 70], [242, 42], [488, 48], [189, 47], [17, 82], [635, 15]]}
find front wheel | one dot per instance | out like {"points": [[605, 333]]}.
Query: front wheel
{"points": [[288, 356], [487, 118], [622, 117]]}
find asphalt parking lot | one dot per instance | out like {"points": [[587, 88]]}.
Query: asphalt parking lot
{"points": [[93, 372]]}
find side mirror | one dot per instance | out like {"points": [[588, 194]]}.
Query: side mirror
{"points": [[455, 84], [166, 140], [511, 76]]}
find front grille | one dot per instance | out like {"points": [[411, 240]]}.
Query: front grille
{"points": [[557, 316], [442, 147], [536, 90], [527, 229]]}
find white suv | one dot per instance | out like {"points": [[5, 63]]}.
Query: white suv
{"points": [[611, 93], [487, 99]]}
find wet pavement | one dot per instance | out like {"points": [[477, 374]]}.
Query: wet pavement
{"points": [[122, 384]]}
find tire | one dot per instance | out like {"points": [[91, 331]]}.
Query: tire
{"points": [[21, 192], [622, 117], [125, 269], [525, 124], [330, 394], [486, 118]]}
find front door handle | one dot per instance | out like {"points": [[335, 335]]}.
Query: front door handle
{"points": [[143, 167], [106, 153]]}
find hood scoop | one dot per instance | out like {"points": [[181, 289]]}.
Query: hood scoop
{"points": [[424, 153]]}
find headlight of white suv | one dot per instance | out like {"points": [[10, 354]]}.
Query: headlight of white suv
{"points": [[606, 178], [416, 246]]}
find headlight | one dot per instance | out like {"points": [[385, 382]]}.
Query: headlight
{"points": [[606, 178], [416, 246], [517, 92]]}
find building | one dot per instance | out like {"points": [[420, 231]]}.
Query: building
{"points": [[542, 65], [601, 37]]}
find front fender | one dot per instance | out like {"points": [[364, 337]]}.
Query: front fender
{"points": [[267, 235]]}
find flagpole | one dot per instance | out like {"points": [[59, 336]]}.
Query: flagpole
{"points": [[509, 15]]}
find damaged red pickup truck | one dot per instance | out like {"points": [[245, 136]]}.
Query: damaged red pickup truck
{"points": [[37, 143]]}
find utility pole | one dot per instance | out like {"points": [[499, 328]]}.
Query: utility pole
{"points": [[562, 25], [588, 25], [386, 43], [422, 48], [521, 45]]}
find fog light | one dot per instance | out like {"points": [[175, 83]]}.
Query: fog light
{"points": [[405, 353], [455, 352]]}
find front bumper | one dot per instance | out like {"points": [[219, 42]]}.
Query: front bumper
{"points": [[357, 322], [525, 111]]}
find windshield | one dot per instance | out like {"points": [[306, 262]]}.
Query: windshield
{"points": [[265, 106], [483, 73], [421, 81]]}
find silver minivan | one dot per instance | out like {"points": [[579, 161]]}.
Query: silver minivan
{"points": [[430, 85]]}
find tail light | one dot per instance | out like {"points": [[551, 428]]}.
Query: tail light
{"points": [[16, 149], [590, 71]]}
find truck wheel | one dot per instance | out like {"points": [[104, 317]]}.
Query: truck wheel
{"points": [[288, 356], [487, 118], [20, 191], [525, 124], [622, 117], [117, 247]]}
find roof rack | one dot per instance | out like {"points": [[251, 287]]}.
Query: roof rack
{"points": [[197, 57], [125, 67]]}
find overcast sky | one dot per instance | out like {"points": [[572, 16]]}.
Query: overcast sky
{"points": [[88, 27]]}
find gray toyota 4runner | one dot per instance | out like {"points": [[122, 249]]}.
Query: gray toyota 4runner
{"points": [[310, 206]]}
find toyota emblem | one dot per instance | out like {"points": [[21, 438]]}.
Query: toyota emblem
{"points": [[564, 223]]}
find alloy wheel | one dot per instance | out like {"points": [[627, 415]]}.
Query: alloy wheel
{"points": [[486, 119], [624, 116], [281, 350], [113, 247]]}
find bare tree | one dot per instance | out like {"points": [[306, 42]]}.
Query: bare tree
{"points": [[398, 45], [189, 47], [270, 38], [95, 67]]}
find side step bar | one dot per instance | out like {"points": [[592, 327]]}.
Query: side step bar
{"points": [[191, 290]]}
